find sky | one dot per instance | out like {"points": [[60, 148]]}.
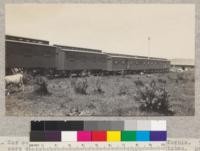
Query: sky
{"points": [[115, 28]]}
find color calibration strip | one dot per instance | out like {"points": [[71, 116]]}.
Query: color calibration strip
{"points": [[98, 131]]}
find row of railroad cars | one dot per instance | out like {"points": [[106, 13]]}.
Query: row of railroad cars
{"points": [[38, 55]]}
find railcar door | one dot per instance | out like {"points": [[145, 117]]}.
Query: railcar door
{"points": [[109, 64], [60, 60]]}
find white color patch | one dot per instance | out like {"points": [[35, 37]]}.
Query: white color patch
{"points": [[158, 125], [69, 136]]}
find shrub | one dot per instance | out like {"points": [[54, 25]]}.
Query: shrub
{"points": [[180, 77], [123, 90], [162, 81], [98, 86], [73, 81], [153, 98], [41, 86], [138, 82], [27, 78], [80, 86], [185, 77]]}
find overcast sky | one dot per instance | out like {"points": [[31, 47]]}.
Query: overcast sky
{"points": [[117, 28]]}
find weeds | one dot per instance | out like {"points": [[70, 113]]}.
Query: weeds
{"points": [[180, 77], [162, 81], [138, 82], [107, 96], [41, 88], [153, 98], [123, 90], [87, 85], [98, 86], [80, 86]]}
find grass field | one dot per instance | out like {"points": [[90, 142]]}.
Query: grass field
{"points": [[102, 96]]}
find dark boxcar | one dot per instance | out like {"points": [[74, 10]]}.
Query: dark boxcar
{"points": [[116, 63], [158, 65], [166, 65], [142, 64], [145, 64], [29, 55], [73, 60]]}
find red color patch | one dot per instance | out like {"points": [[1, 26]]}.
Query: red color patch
{"points": [[99, 136]]}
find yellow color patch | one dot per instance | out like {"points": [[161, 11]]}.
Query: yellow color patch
{"points": [[113, 136]]}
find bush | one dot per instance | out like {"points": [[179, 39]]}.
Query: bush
{"points": [[98, 86], [180, 77], [123, 90], [162, 81], [185, 77], [80, 86], [27, 78], [153, 98], [138, 82], [41, 86]]}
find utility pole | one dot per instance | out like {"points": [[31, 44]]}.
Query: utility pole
{"points": [[149, 47]]}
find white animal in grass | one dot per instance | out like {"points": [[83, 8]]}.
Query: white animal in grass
{"points": [[16, 79], [141, 73]]}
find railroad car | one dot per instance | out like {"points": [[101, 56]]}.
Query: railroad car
{"points": [[29, 54], [115, 63], [152, 64], [78, 60], [137, 64]]}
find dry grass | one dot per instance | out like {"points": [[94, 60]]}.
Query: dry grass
{"points": [[102, 96]]}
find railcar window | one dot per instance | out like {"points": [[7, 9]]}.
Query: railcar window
{"points": [[123, 62], [115, 62]]}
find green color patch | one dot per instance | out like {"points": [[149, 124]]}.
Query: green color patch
{"points": [[128, 135]]}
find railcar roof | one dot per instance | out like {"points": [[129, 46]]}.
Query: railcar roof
{"points": [[23, 42], [25, 39], [78, 48], [113, 55], [80, 51], [124, 55]]}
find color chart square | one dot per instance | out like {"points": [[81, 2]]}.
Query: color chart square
{"points": [[69, 136], [143, 125], [99, 136], [54, 136], [130, 125], [128, 135], [37, 136], [158, 125], [113, 136], [142, 135], [158, 135], [84, 136]]}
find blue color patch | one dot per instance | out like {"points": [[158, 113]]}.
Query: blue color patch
{"points": [[142, 135]]}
